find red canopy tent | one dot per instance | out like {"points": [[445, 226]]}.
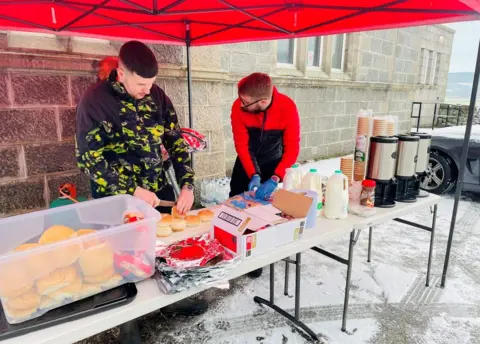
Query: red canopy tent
{"points": [[206, 22]]}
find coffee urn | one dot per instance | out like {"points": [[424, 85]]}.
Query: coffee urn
{"points": [[381, 168], [406, 163], [423, 157]]}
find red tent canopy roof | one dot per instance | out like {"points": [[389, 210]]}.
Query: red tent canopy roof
{"points": [[225, 21]]}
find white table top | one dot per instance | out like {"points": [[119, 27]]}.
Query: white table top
{"points": [[150, 298], [383, 215]]}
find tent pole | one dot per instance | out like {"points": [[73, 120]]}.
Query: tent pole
{"points": [[189, 79], [463, 163]]}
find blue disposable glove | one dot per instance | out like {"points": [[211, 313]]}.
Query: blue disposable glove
{"points": [[265, 191], [255, 183]]}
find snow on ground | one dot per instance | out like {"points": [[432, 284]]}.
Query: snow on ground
{"points": [[389, 303]]}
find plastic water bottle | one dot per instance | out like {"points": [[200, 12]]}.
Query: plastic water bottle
{"points": [[313, 181], [336, 198]]}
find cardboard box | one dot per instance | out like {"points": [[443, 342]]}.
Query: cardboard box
{"points": [[257, 230]]}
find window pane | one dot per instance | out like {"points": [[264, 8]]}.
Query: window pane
{"points": [[431, 67], [285, 51], [337, 51], [314, 49]]}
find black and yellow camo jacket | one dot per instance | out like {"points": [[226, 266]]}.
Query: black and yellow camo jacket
{"points": [[118, 140]]}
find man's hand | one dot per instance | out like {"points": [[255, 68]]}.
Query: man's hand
{"points": [[265, 191], [147, 196], [185, 200], [255, 183]]}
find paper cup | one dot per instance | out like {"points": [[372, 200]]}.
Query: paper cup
{"points": [[358, 177]]}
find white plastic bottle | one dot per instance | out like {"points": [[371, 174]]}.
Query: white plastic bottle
{"points": [[313, 181], [336, 198], [293, 178]]}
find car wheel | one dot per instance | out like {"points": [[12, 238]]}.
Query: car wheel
{"points": [[439, 178]]}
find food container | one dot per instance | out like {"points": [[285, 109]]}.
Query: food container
{"points": [[54, 257]]}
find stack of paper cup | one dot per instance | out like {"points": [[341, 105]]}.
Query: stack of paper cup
{"points": [[346, 165], [392, 125], [391, 128], [363, 125], [359, 171], [379, 127]]}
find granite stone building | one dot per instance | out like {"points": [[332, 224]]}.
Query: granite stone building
{"points": [[330, 78]]}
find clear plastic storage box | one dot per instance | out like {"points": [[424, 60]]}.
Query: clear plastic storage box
{"points": [[57, 256]]}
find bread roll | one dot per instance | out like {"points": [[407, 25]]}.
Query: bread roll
{"points": [[166, 220], [14, 280], [192, 220], [101, 277], [163, 231], [176, 214], [47, 302], [96, 259], [56, 280], [87, 242], [68, 253], [27, 301], [113, 282], [206, 215], [55, 234], [178, 225], [68, 292], [88, 289], [16, 315], [36, 265]]}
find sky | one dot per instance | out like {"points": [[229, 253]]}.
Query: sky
{"points": [[465, 46]]}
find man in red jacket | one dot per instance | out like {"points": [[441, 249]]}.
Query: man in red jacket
{"points": [[266, 132]]}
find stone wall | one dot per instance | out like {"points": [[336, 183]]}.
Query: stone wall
{"points": [[39, 90], [42, 78]]}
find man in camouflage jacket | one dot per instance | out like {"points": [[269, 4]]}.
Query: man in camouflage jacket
{"points": [[121, 123]]}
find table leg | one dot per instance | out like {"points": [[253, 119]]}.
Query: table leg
{"points": [[349, 276], [294, 319], [130, 333], [298, 263], [272, 283], [370, 233], [432, 239], [287, 276]]}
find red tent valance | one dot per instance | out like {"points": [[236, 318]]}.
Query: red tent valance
{"points": [[225, 21]]}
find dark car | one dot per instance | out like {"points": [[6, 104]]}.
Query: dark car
{"points": [[446, 149]]}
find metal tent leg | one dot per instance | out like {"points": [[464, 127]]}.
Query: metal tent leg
{"points": [[189, 80], [463, 162], [432, 238]]}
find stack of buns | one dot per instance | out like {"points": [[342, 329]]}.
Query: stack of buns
{"points": [[177, 222], [36, 283]]}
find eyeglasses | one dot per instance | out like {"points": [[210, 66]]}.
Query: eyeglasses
{"points": [[246, 106]]}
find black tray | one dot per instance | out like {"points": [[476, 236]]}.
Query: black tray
{"points": [[95, 304]]}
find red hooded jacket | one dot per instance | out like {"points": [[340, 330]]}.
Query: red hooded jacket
{"points": [[273, 134]]}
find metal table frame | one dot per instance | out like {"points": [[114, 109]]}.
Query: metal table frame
{"points": [[354, 235]]}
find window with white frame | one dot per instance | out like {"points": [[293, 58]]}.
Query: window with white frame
{"points": [[433, 67], [338, 51], [423, 66], [286, 52], [437, 69], [314, 52], [430, 68]]}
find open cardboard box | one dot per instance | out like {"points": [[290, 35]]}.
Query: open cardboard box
{"points": [[256, 230]]}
